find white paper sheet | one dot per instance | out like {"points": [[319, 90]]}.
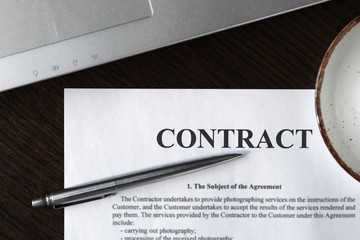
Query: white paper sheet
{"points": [[113, 132]]}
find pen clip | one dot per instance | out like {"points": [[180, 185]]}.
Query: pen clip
{"points": [[61, 206]]}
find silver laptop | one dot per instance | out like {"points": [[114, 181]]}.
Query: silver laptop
{"points": [[43, 39]]}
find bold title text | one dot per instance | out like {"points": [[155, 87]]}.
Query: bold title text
{"points": [[233, 138]]}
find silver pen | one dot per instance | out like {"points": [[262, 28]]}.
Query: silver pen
{"points": [[103, 189]]}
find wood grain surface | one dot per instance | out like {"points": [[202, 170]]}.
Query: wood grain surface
{"points": [[278, 53]]}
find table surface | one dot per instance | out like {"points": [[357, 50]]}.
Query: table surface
{"points": [[283, 52]]}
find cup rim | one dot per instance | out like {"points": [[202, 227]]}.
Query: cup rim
{"points": [[318, 88]]}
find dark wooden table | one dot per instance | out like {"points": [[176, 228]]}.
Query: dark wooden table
{"points": [[281, 52]]}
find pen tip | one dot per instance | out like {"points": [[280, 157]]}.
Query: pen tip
{"points": [[237, 155], [39, 202]]}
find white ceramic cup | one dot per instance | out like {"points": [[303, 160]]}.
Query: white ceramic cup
{"points": [[337, 98]]}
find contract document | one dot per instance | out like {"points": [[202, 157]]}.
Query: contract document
{"points": [[286, 186]]}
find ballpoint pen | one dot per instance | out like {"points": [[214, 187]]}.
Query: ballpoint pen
{"points": [[102, 189]]}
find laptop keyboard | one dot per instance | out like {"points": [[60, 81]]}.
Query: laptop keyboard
{"points": [[30, 24]]}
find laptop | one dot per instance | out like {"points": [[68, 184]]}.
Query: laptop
{"points": [[44, 39]]}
